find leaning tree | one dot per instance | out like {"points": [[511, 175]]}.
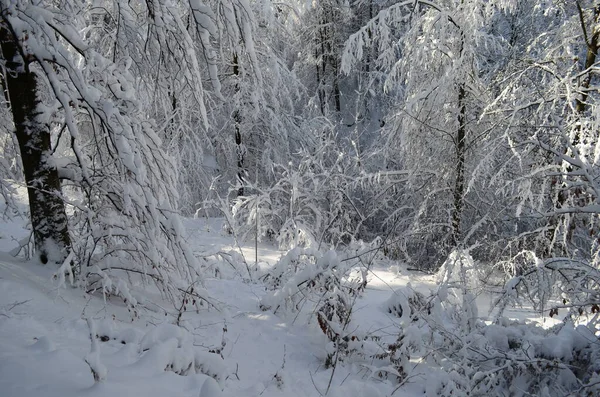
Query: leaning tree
{"points": [[102, 191]]}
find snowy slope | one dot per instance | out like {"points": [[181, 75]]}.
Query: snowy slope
{"points": [[45, 338], [44, 341]]}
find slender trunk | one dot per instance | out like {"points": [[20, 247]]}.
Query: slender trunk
{"points": [[323, 58], [237, 119], [459, 186], [47, 209], [590, 60], [319, 82], [336, 84], [368, 59]]}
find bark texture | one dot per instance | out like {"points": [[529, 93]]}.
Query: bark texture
{"points": [[47, 209]]}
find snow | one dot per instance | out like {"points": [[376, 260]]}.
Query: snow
{"points": [[210, 314], [45, 345]]}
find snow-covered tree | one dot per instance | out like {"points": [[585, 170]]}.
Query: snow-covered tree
{"points": [[437, 58], [32, 130], [79, 119]]}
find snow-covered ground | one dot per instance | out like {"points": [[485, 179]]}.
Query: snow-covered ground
{"points": [[45, 344]]}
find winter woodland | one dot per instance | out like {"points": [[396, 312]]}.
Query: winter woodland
{"points": [[407, 192]]}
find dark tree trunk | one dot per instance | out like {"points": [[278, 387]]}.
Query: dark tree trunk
{"points": [[323, 57], [237, 120], [461, 148], [47, 209], [336, 86], [319, 82], [459, 187]]}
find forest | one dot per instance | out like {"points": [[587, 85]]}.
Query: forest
{"points": [[455, 142]]}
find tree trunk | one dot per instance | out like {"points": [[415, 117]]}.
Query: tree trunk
{"points": [[323, 58], [237, 120], [461, 147], [47, 209], [459, 187], [336, 85]]}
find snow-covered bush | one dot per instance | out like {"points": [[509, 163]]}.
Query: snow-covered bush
{"points": [[513, 358], [165, 347], [460, 270], [327, 285], [553, 284], [407, 303], [170, 348], [311, 203], [225, 264], [306, 275], [504, 358]]}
